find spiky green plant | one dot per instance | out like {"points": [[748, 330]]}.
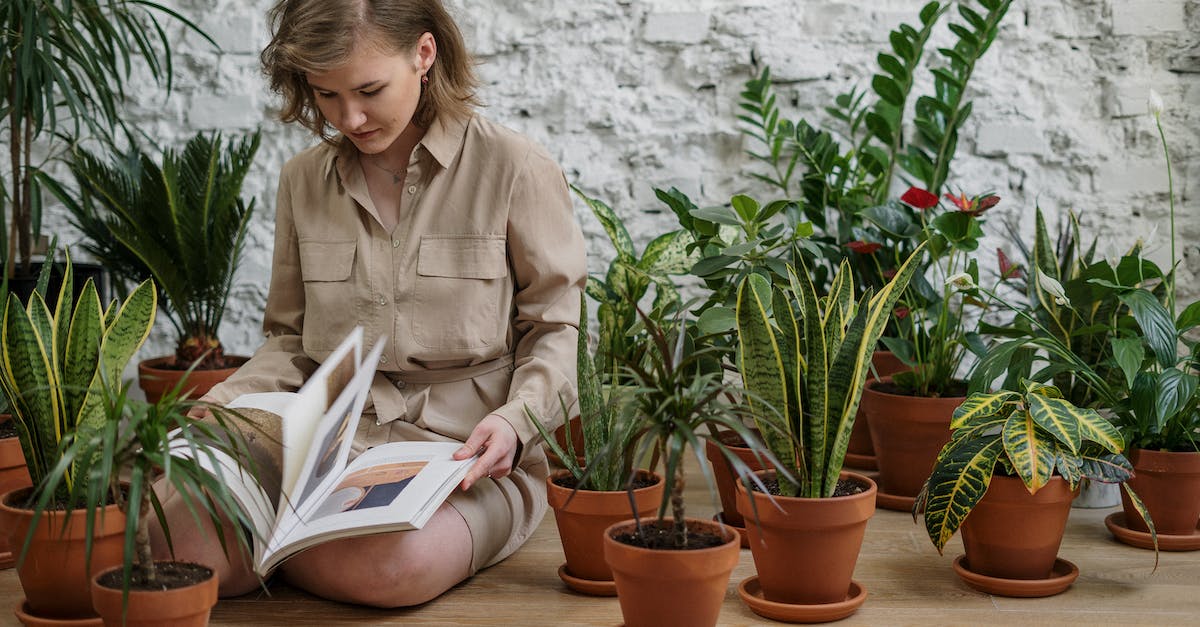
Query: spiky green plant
{"points": [[805, 361], [1032, 435], [182, 223], [53, 365]]}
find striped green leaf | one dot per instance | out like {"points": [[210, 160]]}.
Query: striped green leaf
{"points": [[612, 225], [1031, 454], [816, 376], [981, 407], [956, 485], [27, 373], [122, 339], [84, 332], [1058, 417], [1106, 468], [1096, 428]]}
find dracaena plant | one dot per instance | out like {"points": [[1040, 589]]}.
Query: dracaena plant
{"points": [[627, 281], [1034, 434], [608, 433], [805, 360], [182, 222]]}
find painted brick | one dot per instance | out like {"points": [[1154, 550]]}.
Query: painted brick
{"points": [[1147, 17], [676, 28], [1000, 139]]}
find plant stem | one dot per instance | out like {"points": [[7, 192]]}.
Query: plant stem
{"points": [[1171, 201]]}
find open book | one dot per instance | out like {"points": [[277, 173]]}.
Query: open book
{"points": [[304, 492]]}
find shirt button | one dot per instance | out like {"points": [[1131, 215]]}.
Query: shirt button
{"points": [[383, 359], [395, 243], [382, 300], [400, 385], [412, 189]]}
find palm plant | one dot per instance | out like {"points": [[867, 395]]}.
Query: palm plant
{"points": [[182, 223], [65, 64], [805, 361]]}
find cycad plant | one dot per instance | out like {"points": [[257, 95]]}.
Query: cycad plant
{"points": [[805, 360], [182, 223]]}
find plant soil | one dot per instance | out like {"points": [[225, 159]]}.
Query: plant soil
{"points": [[569, 482], [845, 487], [658, 535], [23, 499], [170, 576], [8, 429], [955, 389]]}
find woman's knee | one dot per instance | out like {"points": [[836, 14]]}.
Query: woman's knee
{"points": [[365, 577]]}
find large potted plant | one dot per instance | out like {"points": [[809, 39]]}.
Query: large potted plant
{"points": [[52, 368], [1007, 478], [675, 570], [181, 222], [589, 496], [804, 361], [64, 65], [128, 452], [13, 473]]}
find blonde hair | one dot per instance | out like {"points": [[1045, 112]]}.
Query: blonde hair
{"points": [[319, 35]]}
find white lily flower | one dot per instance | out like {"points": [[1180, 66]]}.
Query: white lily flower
{"points": [[961, 281], [1155, 103], [1052, 287]]}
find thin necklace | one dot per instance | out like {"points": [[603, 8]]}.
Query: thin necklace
{"points": [[396, 176]]}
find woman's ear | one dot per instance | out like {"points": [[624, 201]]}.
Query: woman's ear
{"points": [[426, 52]]}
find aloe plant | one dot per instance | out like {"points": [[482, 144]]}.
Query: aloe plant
{"points": [[183, 223], [1033, 435], [53, 365], [805, 361]]}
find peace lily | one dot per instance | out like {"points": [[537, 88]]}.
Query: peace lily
{"points": [[1051, 286]]}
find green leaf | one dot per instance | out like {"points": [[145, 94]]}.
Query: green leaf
{"points": [[711, 265], [1032, 456], [1158, 328], [613, 226], [1189, 318], [888, 90], [1129, 353], [980, 407], [1058, 417], [892, 66], [717, 320], [1175, 392], [1106, 468], [745, 207], [957, 483], [719, 215]]}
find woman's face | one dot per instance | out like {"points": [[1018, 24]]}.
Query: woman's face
{"points": [[371, 99]]}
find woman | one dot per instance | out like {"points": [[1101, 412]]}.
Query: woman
{"points": [[449, 235]]}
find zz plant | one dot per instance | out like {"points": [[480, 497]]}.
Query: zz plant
{"points": [[1033, 435], [804, 361]]}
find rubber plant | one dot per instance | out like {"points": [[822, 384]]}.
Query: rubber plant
{"points": [[804, 361], [53, 366], [182, 223], [1033, 434]]}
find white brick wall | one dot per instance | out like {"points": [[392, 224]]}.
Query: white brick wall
{"points": [[638, 93]]}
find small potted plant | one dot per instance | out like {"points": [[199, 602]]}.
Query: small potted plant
{"points": [[804, 361], [52, 368], [589, 496], [182, 223], [1007, 478], [675, 570], [123, 457]]}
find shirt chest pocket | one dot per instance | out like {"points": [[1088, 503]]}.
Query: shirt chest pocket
{"points": [[327, 268], [458, 300]]}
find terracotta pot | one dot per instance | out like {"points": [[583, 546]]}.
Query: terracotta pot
{"points": [[154, 379], [907, 432], [1169, 484], [724, 476], [54, 573], [1012, 534], [575, 425], [664, 587], [809, 535], [13, 475], [860, 453], [178, 607], [583, 518]]}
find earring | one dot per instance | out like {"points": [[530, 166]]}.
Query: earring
{"points": [[424, 80]]}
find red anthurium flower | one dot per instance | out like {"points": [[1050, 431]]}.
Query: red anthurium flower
{"points": [[973, 206], [901, 312], [962, 202], [919, 198], [864, 248], [1008, 269], [987, 202]]}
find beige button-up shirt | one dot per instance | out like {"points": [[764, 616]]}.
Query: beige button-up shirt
{"points": [[482, 276]]}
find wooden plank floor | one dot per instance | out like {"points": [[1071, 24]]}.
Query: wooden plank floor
{"points": [[907, 581]]}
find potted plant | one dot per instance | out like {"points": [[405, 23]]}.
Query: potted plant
{"points": [[675, 570], [52, 368], [124, 456], [64, 65], [589, 495], [804, 361], [1007, 478], [13, 473], [182, 223]]}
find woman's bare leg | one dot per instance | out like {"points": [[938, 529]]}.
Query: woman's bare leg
{"points": [[195, 539], [388, 569]]}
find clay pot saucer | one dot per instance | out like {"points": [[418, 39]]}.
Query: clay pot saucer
{"points": [[860, 462], [593, 587], [740, 530], [30, 620], [1061, 577], [894, 502], [752, 595], [1142, 540]]}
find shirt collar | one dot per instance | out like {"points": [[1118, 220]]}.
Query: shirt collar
{"points": [[442, 141]]}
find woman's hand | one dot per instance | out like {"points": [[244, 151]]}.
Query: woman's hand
{"points": [[200, 412], [496, 442]]}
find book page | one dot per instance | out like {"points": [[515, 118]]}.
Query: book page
{"points": [[392, 487]]}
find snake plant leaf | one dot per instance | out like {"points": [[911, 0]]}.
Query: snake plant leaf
{"points": [[841, 386], [839, 306], [82, 343], [1096, 428], [816, 374], [26, 376], [1058, 417], [763, 372], [65, 304], [956, 486], [1032, 455], [981, 407], [122, 339]]}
